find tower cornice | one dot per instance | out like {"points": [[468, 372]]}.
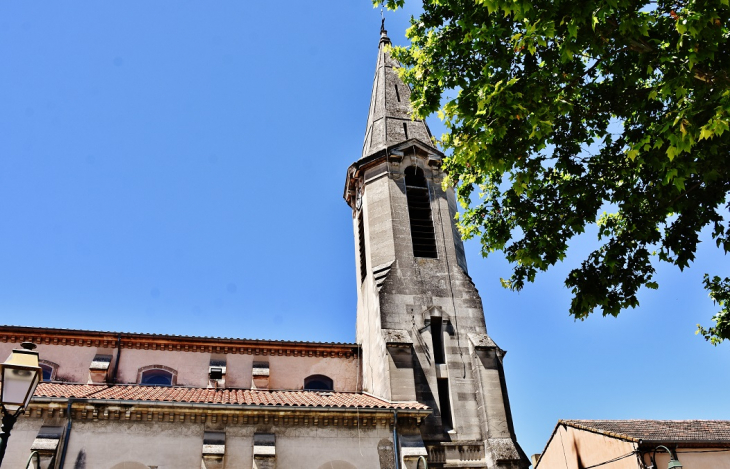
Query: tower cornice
{"points": [[395, 152]]}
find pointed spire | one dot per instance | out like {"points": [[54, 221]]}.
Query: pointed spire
{"points": [[389, 118]]}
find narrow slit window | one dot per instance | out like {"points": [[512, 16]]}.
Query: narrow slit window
{"points": [[361, 246], [397, 94], [444, 403], [405, 130], [438, 340], [419, 213]]}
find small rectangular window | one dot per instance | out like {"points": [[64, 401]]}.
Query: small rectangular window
{"points": [[397, 95], [405, 130], [444, 403], [215, 372]]}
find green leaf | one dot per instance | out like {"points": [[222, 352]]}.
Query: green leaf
{"points": [[572, 29], [706, 132], [548, 121], [679, 183], [672, 152]]}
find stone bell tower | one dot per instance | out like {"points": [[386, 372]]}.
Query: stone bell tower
{"points": [[419, 316]]}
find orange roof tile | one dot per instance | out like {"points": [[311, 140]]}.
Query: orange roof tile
{"points": [[253, 397], [675, 431]]}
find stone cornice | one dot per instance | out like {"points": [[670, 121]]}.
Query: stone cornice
{"points": [[97, 410], [129, 340]]}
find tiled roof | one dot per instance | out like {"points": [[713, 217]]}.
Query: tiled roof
{"points": [[670, 431], [328, 399]]}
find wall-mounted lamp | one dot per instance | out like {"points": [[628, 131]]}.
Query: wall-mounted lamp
{"points": [[19, 376], [673, 463]]}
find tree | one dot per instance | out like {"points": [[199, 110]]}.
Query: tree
{"points": [[566, 114]]}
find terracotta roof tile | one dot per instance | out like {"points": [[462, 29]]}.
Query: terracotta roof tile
{"points": [[672, 431], [67, 390], [342, 400]]}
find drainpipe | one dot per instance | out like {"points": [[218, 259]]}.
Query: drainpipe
{"points": [[116, 362], [68, 433], [395, 439]]}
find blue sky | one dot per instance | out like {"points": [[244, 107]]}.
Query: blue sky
{"points": [[177, 167]]}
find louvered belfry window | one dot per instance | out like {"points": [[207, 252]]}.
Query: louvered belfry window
{"points": [[419, 212]]}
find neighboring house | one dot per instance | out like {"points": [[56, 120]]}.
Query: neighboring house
{"points": [[423, 382], [637, 444]]}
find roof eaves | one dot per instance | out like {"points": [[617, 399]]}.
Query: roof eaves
{"points": [[31, 332], [620, 436], [229, 406], [695, 443]]}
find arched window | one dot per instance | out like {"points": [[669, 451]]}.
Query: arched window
{"points": [[157, 375], [49, 369], [318, 383], [419, 213]]}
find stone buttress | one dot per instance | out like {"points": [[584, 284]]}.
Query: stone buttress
{"points": [[420, 320]]}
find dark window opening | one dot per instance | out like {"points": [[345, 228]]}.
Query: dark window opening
{"points": [[444, 403], [156, 378], [397, 95], [318, 383], [419, 212], [47, 372], [216, 372], [437, 336], [405, 130], [361, 245]]}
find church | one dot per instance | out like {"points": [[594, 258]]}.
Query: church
{"points": [[423, 386]]}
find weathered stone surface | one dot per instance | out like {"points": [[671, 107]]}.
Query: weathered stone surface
{"points": [[395, 311], [44, 444], [386, 456], [504, 449], [397, 336]]}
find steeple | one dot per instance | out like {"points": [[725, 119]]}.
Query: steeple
{"points": [[420, 320], [389, 118]]}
